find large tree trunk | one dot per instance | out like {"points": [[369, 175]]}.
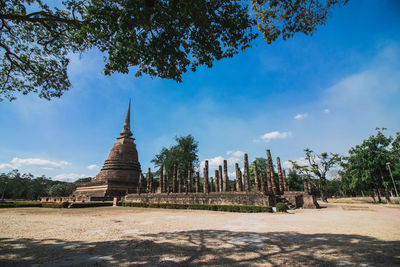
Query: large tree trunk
{"points": [[379, 196], [373, 196], [387, 196]]}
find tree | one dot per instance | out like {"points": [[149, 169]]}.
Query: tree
{"points": [[365, 169], [160, 38], [295, 181], [261, 164], [181, 154], [317, 166], [62, 189]]}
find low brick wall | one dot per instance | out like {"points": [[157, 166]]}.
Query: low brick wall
{"points": [[223, 198], [300, 199]]}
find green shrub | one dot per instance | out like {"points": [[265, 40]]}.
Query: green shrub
{"points": [[89, 204], [281, 207], [55, 204], [214, 207]]}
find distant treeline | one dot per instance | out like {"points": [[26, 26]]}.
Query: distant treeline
{"points": [[14, 185]]}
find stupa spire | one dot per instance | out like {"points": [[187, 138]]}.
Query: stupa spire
{"points": [[126, 131]]}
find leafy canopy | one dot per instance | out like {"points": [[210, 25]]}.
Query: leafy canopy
{"points": [[182, 154], [160, 38]]}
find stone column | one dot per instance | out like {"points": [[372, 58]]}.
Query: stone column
{"points": [[246, 173], [225, 183], [150, 181], [212, 185], [285, 184], [186, 185], [190, 177], [305, 183], [205, 178], [217, 181], [141, 178], [239, 187], [162, 178], [272, 173], [262, 182], [197, 182], [174, 180], [280, 176], [256, 183], [179, 182]]}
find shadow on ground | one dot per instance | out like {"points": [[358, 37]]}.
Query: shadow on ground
{"points": [[206, 248]]}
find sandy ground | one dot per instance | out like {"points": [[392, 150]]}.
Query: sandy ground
{"points": [[338, 235]]}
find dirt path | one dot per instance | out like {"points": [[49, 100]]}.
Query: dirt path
{"points": [[339, 235]]}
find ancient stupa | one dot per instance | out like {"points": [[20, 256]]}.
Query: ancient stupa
{"points": [[120, 173]]}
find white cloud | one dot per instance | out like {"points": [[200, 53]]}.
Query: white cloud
{"points": [[213, 163], [69, 177], [93, 167], [300, 116], [326, 111], [273, 135], [45, 164], [235, 153]]}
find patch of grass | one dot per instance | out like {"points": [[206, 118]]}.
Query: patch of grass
{"points": [[229, 208]]}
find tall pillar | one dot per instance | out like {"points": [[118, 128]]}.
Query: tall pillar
{"points": [[174, 180], [162, 178], [272, 173], [197, 182], [205, 178], [141, 180], [305, 183], [179, 182], [222, 184], [246, 173], [225, 183], [285, 184], [262, 182], [238, 178], [190, 177], [216, 181], [149, 181], [280, 176], [212, 185], [256, 183]]}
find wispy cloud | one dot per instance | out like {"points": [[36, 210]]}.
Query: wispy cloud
{"points": [[45, 164], [93, 167], [300, 116], [267, 137], [69, 177], [326, 111]]}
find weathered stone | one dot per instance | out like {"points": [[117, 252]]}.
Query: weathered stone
{"points": [[179, 182], [272, 173], [197, 183], [285, 184], [239, 187], [212, 185], [205, 178], [217, 181], [262, 182], [162, 179], [246, 173], [225, 183], [175, 179], [120, 172], [190, 177], [256, 183], [220, 179], [305, 184], [280, 176]]}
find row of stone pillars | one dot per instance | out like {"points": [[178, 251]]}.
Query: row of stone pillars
{"points": [[220, 182]]}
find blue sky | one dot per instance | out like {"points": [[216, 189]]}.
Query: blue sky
{"points": [[327, 92]]}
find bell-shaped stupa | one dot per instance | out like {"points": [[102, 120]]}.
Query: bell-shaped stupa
{"points": [[120, 173]]}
